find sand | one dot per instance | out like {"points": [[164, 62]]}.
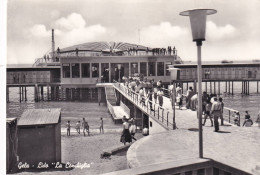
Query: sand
{"points": [[79, 149]]}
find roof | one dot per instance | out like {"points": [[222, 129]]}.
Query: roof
{"points": [[10, 120], [99, 46], [39, 117]]}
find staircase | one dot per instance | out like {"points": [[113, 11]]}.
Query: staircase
{"points": [[110, 95]]}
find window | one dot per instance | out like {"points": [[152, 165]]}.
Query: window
{"points": [[85, 70], [143, 68], [167, 67], [66, 70], [95, 70], [160, 69], [134, 68], [151, 69], [75, 70]]}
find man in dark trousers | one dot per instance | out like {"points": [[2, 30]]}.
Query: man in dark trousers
{"points": [[216, 112]]}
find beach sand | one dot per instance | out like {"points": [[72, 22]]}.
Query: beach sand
{"points": [[79, 149]]}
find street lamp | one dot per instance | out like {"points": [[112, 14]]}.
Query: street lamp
{"points": [[119, 69], [198, 28], [174, 77]]}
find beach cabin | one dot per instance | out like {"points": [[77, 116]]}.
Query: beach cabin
{"points": [[39, 136], [11, 143]]}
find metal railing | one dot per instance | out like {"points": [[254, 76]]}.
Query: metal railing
{"points": [[229, 114], [32, 80], [162, 115]]}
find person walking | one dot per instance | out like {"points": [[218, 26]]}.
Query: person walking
{"points": [[189, 94], [207, 113], [132, 129], [155, 91], [216, 112], [101, 127], [68, 128], [78, 127], [126, 136], [179, 97], [150, 98], [160, 97], [85, 127], [222, 110]]}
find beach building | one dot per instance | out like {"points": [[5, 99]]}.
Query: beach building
{"points": [[39, 136]]}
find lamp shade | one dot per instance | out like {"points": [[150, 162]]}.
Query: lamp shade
{"points": [[119, 66], [174, 73], [198, 22]]}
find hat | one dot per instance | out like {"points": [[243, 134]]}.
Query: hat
{"points": [[178, 89]]}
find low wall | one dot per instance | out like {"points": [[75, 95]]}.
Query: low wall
{"points": [[155, 126]]}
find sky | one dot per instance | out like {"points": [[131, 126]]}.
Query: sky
{"points": [[233, 33]]}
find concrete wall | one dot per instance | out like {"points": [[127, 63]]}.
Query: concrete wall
{"points": [[155, 127]]}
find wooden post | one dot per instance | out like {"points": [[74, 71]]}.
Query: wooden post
{"points": [[91, 94], [232, 87], [71, 94], [219, 88], [214, 87], [7, 94], [187, 86], [206, 87], [242, 87], [42, 93], [22, 93], [248, 88], [226, 86], [256, 86], [48, 86], [25, 93], [35, 89], [99, 96], [210, 87]]}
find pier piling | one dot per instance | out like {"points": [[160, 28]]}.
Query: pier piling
{"points": [[20, 94], [7, 94], [25, 93], [219, 88]]}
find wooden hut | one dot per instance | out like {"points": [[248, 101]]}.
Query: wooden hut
{"points": [[39, 136], [11, 144]]}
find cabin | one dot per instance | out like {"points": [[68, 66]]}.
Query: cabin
{"points": [[11, 144], [39, 136]]}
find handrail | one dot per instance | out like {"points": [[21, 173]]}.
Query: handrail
{"points": [[158, 112], [238, 122]]}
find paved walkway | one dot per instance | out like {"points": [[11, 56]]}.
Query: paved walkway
{"points": [[238, 147]]}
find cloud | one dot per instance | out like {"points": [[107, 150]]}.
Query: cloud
{"points": [[164, 34], [69, 31], [73, 21], [215, 32], [39, 30]]}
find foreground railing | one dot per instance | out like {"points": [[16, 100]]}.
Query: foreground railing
{"points": [[161, 114], [229, 114]]}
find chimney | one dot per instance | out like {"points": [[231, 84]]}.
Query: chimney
{"points": [[53, 44]]}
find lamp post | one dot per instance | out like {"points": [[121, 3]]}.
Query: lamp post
{"points": [[198, 28], [174, 77], [119, 69]]}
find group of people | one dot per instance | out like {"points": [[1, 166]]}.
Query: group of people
{"points": [[129, 130], [84, 126], [147, 90]]}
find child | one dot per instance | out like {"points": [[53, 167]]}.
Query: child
{"points": [[236, 119], [101, 126], [248, 122], [85, 126], [68, 128], [78, 127]]}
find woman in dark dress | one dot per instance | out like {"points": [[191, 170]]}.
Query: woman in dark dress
{"points": [[126, 136]]}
